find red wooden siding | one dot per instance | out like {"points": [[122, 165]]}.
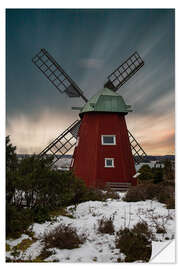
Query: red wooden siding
{"points": [[89, 156]]}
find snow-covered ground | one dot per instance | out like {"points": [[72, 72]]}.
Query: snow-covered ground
{"points": [[100, 247], [63, 163]]}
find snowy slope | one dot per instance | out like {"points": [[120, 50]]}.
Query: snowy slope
{"points": [[101, 247]]}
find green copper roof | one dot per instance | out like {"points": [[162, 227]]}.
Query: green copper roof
{"points": [[106, 101]]}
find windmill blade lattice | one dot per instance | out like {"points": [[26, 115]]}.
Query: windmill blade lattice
{"points": [[138, 153], [124, 72], [63, 143], [56, 75]]}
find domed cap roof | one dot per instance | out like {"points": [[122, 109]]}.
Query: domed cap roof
{"points": [[106, 100]]}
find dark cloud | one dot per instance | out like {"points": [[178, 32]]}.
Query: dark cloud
{"points": [[89, 44]]}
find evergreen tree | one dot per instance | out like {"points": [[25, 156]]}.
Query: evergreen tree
{"points": [[146, 173], [169, 171], [11, 169]]}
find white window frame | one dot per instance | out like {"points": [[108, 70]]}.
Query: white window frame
{"points": [[114, 139], [105, 163]]}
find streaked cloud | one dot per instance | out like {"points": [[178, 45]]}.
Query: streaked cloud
{"points": [[33, 134], [91, 63], [154, 133]]}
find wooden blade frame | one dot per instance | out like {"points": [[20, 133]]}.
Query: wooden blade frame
{"points": [[138, 153], [124, 72], [56, 75], [63, 143]]}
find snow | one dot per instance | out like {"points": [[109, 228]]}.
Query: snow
{"points": [[33, 251], [63, 164], [151, 164], [15, 242], [101, 247]]}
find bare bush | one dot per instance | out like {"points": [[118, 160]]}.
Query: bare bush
{"points": [[170, 204], [157, 221], [135, 193], [161, 192], [135, 243], [62, 237], [105, 225]]}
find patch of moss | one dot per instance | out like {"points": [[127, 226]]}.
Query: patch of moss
{"points": [[45, 253], [26, 243], [8, 248], [60, 212]]}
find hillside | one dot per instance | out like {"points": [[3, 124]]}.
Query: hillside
{"points": [[97, 246]]}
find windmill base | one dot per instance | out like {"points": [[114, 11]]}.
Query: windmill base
{"points": [[116, 186]]}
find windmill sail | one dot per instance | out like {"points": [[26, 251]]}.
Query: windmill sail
{"points": [[138, 153], [56, 75], [63, 143], [124, 72]]}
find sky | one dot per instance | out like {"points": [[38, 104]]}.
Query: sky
{"points": [[89, 44]]}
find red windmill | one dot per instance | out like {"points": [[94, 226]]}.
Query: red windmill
{"points": [[105, 151]]}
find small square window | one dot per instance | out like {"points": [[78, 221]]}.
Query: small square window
{"points": [[109, 162], [108, 139]]}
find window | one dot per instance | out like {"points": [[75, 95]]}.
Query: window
{"points": [[108, 139], [109, 162]]}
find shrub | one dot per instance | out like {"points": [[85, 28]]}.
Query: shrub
{"points": [[160, 229], [170, 204], [146, 173], [105, 225], [151, 191], [111, 194], [169, 170], [17, 220], [62, 237], [165, 193], [135, 193], [94, 194], [142, 228], [144, 192], [157, 175], [135, 243], [40, 215]]}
